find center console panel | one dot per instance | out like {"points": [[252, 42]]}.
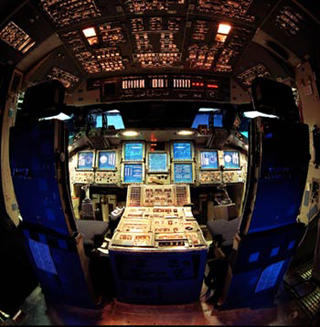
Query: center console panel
{"points": [[156, 227]]}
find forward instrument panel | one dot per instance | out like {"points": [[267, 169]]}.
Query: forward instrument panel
{"points": [[179, 162]]}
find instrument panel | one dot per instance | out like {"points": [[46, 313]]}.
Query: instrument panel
{"points": [[165, 227], [181, 162]]}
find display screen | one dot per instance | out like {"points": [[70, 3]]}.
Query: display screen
{"points": [[157, 162], [182, 151], [133, 151], [107, 160], [133, 173], [209, 160], [85, 160], [183, 173], [231, 160]]}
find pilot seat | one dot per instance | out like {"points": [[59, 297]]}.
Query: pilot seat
{"points": [[61, 248], [250, 254]]}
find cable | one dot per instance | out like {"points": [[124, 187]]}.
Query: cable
{"points": [[308, 224]]}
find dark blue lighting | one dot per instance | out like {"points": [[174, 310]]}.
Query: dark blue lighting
{"points": [[217, 120], [274, 251], [291, 245], [254, 256], [269, 276]]}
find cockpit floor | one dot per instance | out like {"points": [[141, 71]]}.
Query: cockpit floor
{"points": [[286, 311]]}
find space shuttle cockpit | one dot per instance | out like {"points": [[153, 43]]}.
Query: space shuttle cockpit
{"points": [[160, 153], [145, 204]]}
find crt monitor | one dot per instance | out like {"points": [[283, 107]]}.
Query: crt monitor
{"points": [[133, 151], [209, 159], [182, 173], [85, 160], [182, 151], [106, 160], [157, 162], [132, 173], [231, 159]]}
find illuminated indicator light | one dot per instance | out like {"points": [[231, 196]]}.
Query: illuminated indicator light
{"points": [[291, 245], [89, 32], [224, 29], [274, 251], [28, 47], [212, 86], [185, 132], [130, 133], [254, 256], [221, 38], [255, 113], [93, 40], [197, 84], [60, 116]]}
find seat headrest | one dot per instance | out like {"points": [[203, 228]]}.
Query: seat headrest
{"points": [[43, 100], [274, 98]]}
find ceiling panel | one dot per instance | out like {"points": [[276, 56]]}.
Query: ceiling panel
{"points": [[293, 28], [163, 36]]}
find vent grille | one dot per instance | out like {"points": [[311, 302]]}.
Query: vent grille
{"points": [[182, 195], [134, 196]]}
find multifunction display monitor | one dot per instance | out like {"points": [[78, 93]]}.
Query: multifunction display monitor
{"points": [[182, 173], [85, 160], [132, 173], [133, 151], [182, 151], [209, 160], [231, 159], [157, 162], [107, 160]]}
